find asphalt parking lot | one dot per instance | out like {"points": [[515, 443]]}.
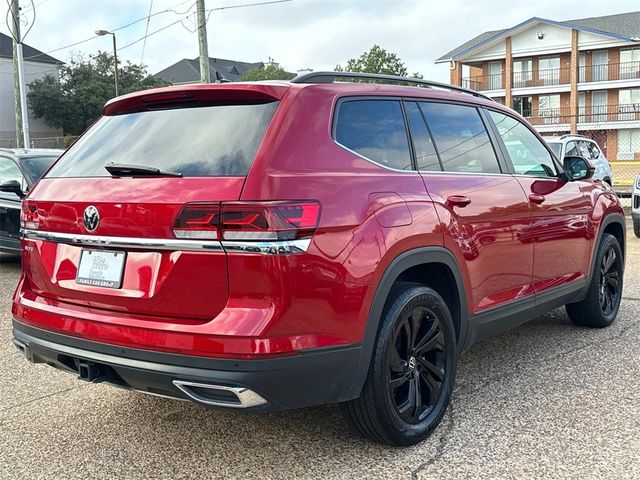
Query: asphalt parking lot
{"points": [[546, 400]]}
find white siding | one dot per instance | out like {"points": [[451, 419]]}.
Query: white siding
{"points": [[555, 38], [33, 71]]}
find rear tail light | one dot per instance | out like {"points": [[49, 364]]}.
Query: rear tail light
{"points": [[29, 216], [248, 221], [198, 221]]}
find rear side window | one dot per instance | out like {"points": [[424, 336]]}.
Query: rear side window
{"points": [[376, 130], [426, 156], [196, 142], [461, 138]]}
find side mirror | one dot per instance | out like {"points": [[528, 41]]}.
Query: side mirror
{"points": [[578, 168], [12, 186]]}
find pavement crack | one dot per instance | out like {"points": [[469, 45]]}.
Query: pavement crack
{"points": [[448, 426], [519, 368], [34, 400]]}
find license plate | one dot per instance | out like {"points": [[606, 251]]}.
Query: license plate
{"points": [[101, 268]]}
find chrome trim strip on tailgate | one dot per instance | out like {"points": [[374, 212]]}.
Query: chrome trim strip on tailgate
{"points": [[281, 247], [122, 242]]}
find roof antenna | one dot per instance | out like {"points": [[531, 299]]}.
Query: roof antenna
{"points": [[221, 79]]}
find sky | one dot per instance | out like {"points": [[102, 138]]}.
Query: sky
{"points": [[298, 34]]}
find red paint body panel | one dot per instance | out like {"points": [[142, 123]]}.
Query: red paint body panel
{"points": [[486, 235], [245, 305]]}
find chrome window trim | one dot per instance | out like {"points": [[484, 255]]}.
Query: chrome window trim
{"points": [[278, 247]]}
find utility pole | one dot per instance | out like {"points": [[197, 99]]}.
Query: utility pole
{"points": [[201, 20], [15, 33]]}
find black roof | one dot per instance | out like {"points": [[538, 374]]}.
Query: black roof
{"points": [[29, 53], [188, 70]]}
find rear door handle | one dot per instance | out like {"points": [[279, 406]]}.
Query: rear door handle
{"points": [[537, 199], [458, 201]]}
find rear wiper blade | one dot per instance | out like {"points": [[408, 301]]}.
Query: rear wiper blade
{"points": [[127, 170]]}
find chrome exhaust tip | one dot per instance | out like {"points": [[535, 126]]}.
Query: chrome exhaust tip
{"points": [[220, 395], [23, 349]]}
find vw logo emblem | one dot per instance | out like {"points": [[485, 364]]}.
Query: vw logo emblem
{"points": [[91, 218], [412, 363]]}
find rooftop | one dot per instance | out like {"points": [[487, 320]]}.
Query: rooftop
{"points": [[624, 26], [29, 53]]}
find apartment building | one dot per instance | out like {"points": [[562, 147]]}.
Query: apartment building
{"points": [[576, 76]]}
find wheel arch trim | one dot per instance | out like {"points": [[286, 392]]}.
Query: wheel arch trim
{"points": [[403, 262]]}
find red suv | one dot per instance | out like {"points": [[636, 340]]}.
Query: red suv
{"points": [[285, 244]]}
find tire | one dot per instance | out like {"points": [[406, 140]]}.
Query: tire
{"points": [[636, 227], [403, 415], [600, 307]]}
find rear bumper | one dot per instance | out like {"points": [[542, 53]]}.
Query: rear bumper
{"points": [[311, 378]]}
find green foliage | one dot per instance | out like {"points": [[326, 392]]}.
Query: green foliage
{"points": [[269, 72], [377, 60], [85, 86]]}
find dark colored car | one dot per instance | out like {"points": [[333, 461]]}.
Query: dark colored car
{"points": [[22, 169], [286, 244]]}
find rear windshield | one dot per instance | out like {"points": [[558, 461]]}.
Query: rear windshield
{"points": [[196, 142], [34, 167]]}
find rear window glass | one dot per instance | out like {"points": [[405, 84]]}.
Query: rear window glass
{"points": [[34, 167], [376, 130], [196, 142]]}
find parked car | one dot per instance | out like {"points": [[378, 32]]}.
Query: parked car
{"points": [[288, 244], [579, 145], [635, 206], [20, 169]]}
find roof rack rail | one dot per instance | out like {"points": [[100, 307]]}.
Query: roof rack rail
{"points": [[330, 77], [574, 135]]}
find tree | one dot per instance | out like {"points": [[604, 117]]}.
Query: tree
{"points": [[85, 85], [268, 72], [377, 60]]}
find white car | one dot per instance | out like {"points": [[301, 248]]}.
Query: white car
{"points": [[635, 206], [582, 146]]}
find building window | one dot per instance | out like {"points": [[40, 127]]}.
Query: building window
{"points": [[630, 63], [600, 66], [549, 70], [629, 104], [629, 144], [549, 108], [521, 72], [522, 105], [599, 106]]}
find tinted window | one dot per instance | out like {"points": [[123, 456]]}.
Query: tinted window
{"points": [[197, 142], [9, 170], [426, 156], [375, 129], [34, 167], [528, 154], [461, 138]]}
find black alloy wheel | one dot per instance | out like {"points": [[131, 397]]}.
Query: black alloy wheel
{"points": [[416, 364]]}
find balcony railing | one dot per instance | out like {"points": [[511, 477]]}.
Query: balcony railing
{"points": [[609, 72], [594, 114], [484, 82], [555, 76], [541, 78]]}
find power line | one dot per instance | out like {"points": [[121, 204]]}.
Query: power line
{"points": [[152, 33], [170, 9], [146, 31]]}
